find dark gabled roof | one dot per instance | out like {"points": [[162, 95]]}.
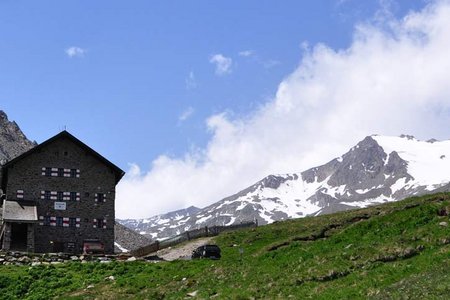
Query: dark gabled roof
{"points": [[65, 134]]}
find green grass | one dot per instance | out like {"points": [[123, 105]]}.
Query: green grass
{"points": [[392, 251]]}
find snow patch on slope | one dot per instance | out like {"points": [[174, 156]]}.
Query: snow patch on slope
{"points": [[428, 163], [120, 247]]}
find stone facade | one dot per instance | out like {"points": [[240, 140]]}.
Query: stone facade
{"points": [[73, 188]]}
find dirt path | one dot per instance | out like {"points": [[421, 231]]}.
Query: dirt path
{"points": [[183, 251]]}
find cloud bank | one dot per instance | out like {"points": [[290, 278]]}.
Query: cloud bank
{"points": [[392, 79]]}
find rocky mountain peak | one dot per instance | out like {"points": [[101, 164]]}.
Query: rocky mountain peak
{"points": [[363, 162], [3, 116], [377, 169], [13, 141], [407, 136]]}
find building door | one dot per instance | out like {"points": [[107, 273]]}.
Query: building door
{"points": [[19, 236]]}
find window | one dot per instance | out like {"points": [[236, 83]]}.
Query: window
{"points": [[59, 221], [70, 246], [47, 195], [60, 172], [60, 196], [99, 223], [19, 194], [100, 197], [73, 196]]}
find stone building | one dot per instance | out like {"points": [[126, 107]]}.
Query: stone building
{"points": [[57, 196]]}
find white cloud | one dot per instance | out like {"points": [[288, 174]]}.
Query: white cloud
{"points": [[253, 56], [186, 114], [392, 79], [246, 53], [75, 52], [191, 81], [223, 64]]}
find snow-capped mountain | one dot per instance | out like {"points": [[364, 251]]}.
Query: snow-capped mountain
{"points": [[378, 169], [153, 227]]}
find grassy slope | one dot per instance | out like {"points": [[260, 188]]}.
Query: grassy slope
{"points": [[397, 250]]}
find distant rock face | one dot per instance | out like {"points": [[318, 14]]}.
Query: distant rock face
{"points": [[12, 140], [378, 169]]}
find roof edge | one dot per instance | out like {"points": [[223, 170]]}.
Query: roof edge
{"points": [[118, 171]]}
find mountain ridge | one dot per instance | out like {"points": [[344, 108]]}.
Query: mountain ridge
{"points": [[378, 169]]}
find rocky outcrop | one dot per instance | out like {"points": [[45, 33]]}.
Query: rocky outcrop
{"points": [[128, 239], [12, 140]]}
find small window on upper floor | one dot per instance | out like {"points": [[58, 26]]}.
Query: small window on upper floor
{"points": [[100, 197], [59, 221], [47, 220], [60, 172], [73, 196], [60, 196], [73, 173]]}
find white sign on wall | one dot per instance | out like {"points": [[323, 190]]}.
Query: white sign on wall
{"points": [[60, 205]]}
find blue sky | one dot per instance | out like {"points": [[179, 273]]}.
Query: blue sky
{"points": [[199, 99], [143, 64]]}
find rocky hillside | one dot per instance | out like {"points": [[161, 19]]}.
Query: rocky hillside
{"points": [[378, 169], [126, 239], [12, 140]]}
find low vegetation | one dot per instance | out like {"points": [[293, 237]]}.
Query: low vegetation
{"points": [[393, 251]]}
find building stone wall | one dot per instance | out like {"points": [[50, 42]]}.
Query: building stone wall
{"points": [[6, 243], [30, 237], [95, 177]]}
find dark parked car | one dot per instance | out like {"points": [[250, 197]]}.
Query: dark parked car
{"points": [[207, 251]]}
